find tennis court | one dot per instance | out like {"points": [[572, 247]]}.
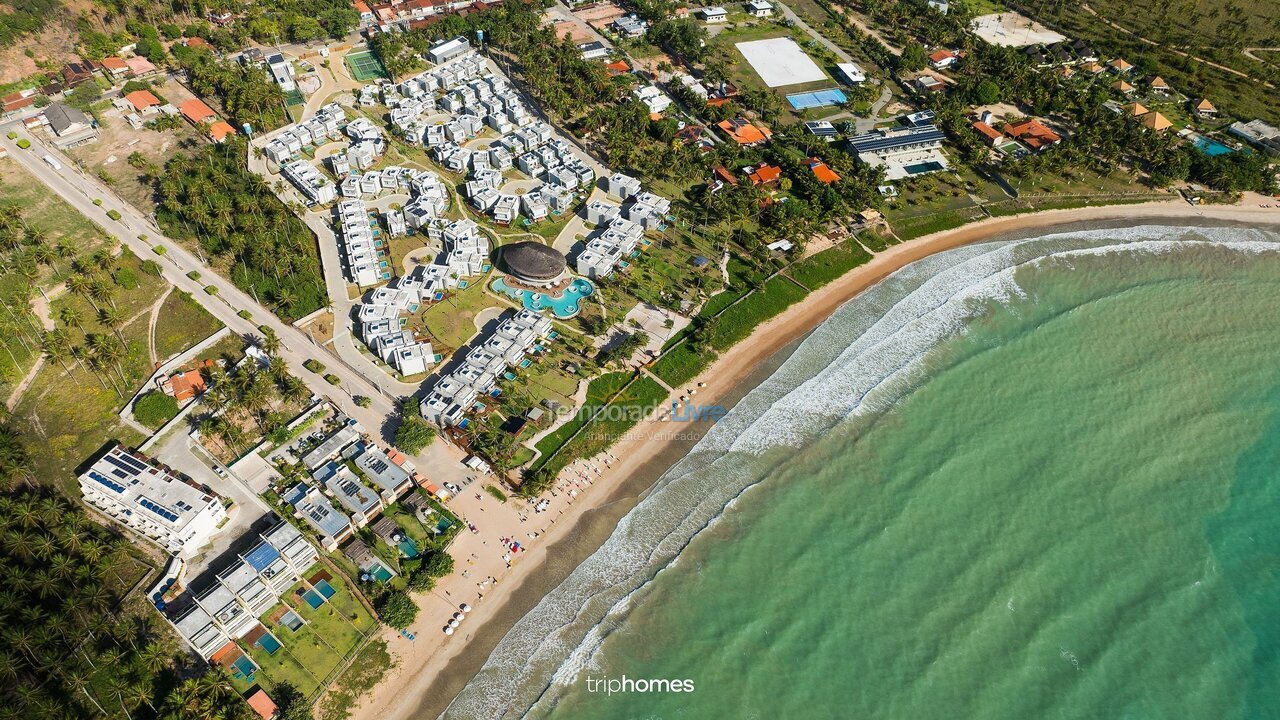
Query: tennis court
{"points": [[817, 99], [365, 65]]}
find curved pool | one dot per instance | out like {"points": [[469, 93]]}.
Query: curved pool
{"points": [[563, 306]]}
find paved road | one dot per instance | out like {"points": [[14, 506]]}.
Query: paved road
{"points": [[80, 191]]}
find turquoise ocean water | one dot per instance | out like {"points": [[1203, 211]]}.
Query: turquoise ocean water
{"points": [[1027, 479]]}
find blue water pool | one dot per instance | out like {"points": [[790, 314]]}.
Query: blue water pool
{"points": [[564, 305], [313, 599], [1209, 146], [380, 573], [408, 548], [269, 643], [924, 167], [324, 588], [245, 667]]}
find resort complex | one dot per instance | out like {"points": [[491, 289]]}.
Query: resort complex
{"points": [[324, 324]]}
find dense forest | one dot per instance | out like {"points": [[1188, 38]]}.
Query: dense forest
{"points": [[72, 648], [211, 198]]}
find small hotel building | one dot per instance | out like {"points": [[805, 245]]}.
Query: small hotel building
{"points": [[902, 152], [229, 607], [153, 501]]}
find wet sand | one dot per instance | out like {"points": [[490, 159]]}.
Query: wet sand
{"points": [[434, 668]]}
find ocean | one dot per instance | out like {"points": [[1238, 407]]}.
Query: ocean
{"points": [[1028, 478]]}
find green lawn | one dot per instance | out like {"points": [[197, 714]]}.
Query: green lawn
{"points": [[599, 391], [681, 364], [737, 322], [69, 412], [820, 269], [622, 413], [451, 322], [182, 324]]}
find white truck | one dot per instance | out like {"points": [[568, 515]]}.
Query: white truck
{"points": [[53, 162]]}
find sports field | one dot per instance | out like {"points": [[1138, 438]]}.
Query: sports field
{"points": [[780, 62], [817, 99], [365, 66]]}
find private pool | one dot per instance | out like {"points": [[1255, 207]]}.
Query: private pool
{"points": [[563, 306], [1209, 146]]}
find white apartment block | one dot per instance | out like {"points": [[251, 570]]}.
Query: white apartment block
{"points": [[229, 608], [608, 247], [153, 501], [454, 395], [314, 186]]}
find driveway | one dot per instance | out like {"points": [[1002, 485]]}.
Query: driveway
{"points": [[177, 450]]}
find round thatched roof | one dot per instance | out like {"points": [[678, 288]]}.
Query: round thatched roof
{"points": [[533, 261]]}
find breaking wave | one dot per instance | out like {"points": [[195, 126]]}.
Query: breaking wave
{"points": [[858, 363]]}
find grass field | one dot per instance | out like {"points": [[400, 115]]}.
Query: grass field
{"points": [[451, 322], [181, 324], [70, 412], [823, 267], [621, 414], [737, 322]]}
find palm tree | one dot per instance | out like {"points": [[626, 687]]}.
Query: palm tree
{"points": [[55, 347], [113, 319]]}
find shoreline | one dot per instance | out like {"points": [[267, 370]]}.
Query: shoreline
{"points": [[432, 670]]}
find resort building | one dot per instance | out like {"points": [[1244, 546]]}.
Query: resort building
{"points": [[330, 525], [456, 394], [447, 50], [229, 607], [315, 187], [902, 152], [1032, 133], [851, 73], [169, 509], [533, 263], [1259, 133], [759, 8], [715, 14], [611, 245]]}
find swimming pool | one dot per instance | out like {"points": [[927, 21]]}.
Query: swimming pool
{"points": [[269, 643], [924, 167], [380, 573], [313, 599], [245, 667], [564, 306], [324, 588], [1209, 146], [409, 549]]}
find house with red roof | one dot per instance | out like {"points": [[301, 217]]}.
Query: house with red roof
{"points": [[143, 101], [263, 705], [764, 174], [220, 131], [115, 67], [196, 112], [990, 135], [140, 66], [823, 173], [941, 59], [1032, 133], [744, 132]]}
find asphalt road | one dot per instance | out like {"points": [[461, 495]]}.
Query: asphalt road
{"points": [[80, 191]]}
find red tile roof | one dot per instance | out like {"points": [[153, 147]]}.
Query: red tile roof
{"points": [[220, 130], [263, 704], [196, 112], [991, 134], [744, 132], [725, 175], [142, 99], [114, 64], [822, 172], [765, 174], [1031, 132]]}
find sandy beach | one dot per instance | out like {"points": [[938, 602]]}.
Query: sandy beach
{"points": [[501, 586]]}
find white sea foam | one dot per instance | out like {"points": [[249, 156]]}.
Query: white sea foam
{"points": [[860, 361]]}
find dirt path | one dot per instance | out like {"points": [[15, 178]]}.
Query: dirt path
{"points": [[151, 325], [41, 307]]}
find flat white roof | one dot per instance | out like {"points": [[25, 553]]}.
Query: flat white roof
{"points": [[780, 62]]}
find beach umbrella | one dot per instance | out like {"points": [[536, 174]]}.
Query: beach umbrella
{"points": [[458, 616], [453, 623], [448, 630], [464, 608]]}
